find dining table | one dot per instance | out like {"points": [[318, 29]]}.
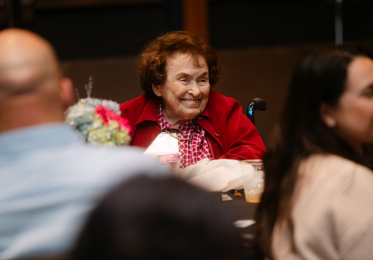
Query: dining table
{"points": [[244, 212]]}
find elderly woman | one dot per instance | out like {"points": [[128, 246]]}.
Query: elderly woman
{"points": [[177, 71], [318, 197]]}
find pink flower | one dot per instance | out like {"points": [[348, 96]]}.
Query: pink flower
{"points": [[107, 115]]}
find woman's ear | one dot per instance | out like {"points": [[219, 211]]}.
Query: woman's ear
{"points": [[327, 115], [157, 90]]}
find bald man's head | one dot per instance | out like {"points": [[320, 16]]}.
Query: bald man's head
{"points": [[27, 62], [32, 90]]}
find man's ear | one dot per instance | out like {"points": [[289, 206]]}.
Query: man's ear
{"points": [[66, 93], [326, 113], [157, 90]]}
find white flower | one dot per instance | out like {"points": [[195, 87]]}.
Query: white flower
{"points": [[84, 118]]}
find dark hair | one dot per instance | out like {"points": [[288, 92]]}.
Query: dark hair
{"points": [[152, 62], [319, 78], [149, 218]]}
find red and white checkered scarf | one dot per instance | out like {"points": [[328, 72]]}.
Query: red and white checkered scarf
{"points": [[190, 151]]}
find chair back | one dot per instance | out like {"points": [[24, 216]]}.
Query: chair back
{"points": [[255, 104]]}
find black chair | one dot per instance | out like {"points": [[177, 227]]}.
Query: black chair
{"points": [[255, 104]]}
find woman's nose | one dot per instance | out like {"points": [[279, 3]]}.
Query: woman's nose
{"points": [[194, 89]]}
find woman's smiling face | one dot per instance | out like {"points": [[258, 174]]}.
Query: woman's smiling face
{"points": [[186, 90], [352, 118]]}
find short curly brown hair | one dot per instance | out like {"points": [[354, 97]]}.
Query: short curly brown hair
{"points": [[152, 62]]}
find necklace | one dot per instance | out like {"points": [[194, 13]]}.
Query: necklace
{"points": [[179, 138]]}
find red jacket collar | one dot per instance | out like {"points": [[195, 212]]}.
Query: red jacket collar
{"points": [[149, 112], [205, 112]]}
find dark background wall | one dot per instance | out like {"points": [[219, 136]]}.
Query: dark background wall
{"points": [[258, 41]]}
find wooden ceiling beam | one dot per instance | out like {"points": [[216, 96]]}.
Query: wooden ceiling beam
{"points": [[196, 18]]}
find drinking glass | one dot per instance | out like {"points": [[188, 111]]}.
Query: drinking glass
{"points": [[253, 183], [172, 163]]}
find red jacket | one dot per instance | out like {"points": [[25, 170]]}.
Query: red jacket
{"points": [[230, 134]]}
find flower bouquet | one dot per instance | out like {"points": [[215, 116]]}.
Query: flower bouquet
{"points": [[98, 121]]}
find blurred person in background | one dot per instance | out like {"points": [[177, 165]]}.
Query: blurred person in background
{"points": [[49, 179], [318, 197], [177, 71], [165, 218]]}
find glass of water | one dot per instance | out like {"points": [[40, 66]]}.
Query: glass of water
{"points": [[253, 182]]}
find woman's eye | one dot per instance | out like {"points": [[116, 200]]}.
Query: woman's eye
{"points": [[368, 92]]}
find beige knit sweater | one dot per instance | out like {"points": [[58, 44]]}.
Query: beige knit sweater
{"points": [[332, 212]]}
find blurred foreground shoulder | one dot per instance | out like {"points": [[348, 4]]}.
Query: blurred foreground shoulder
{"points": [[125, 161], [332, 215]]}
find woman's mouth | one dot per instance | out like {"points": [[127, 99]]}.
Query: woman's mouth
{"points": [[191, 102]]}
